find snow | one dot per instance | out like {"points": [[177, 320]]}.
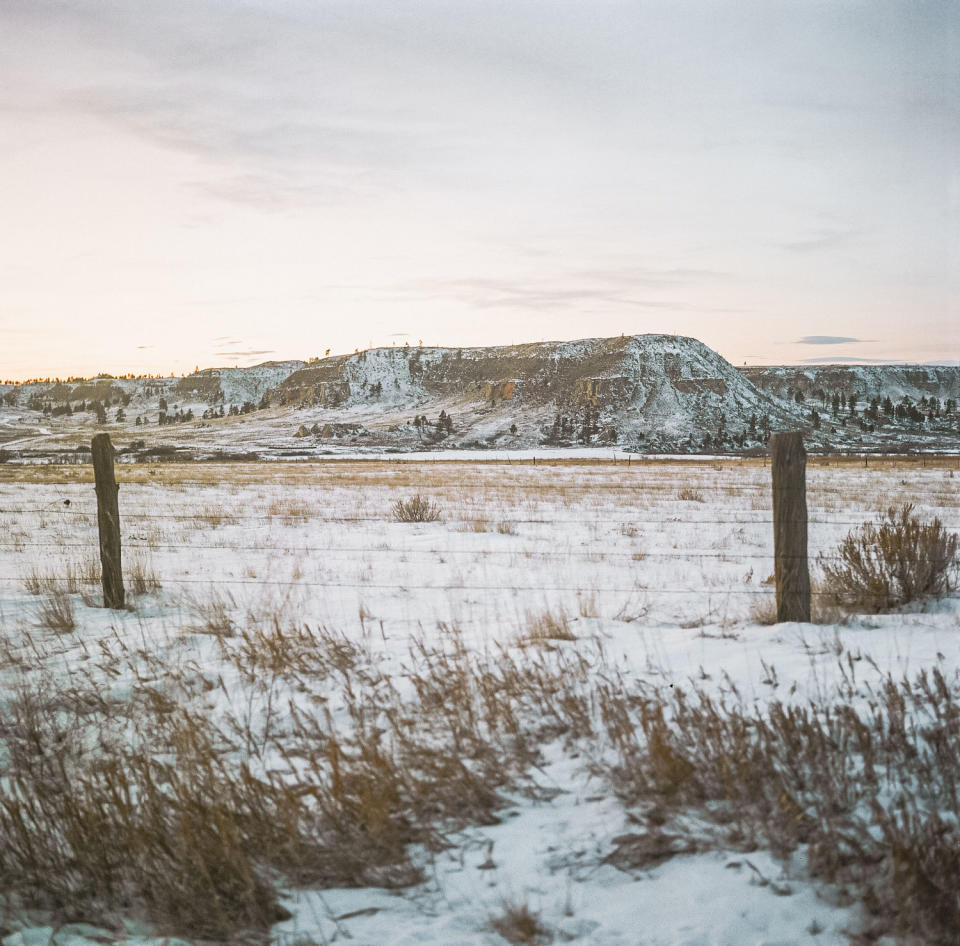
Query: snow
{"points": [[656, 393], [666, 585]]}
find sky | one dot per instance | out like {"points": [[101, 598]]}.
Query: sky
{"points": [[217, 182]]}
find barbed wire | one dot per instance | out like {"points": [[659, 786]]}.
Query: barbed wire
{"points": [[215, 518], [597, 554], [410, 586]]}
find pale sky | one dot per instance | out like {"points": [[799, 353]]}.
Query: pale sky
{"points": [[218, 182]]}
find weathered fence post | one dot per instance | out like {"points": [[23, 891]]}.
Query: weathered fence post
{"points": [[788, 461], [108, 521]]}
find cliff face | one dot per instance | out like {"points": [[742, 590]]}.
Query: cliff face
{"points": [[676, 386], [653, 393], [865, 381]]}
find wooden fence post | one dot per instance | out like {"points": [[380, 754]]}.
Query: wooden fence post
{"points": [[788, 461], [108, 521]]}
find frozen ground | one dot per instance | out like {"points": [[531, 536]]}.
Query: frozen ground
{"points": [[659, 572]]}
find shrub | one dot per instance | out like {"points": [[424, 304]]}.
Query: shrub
{"points": [[896, 560], [416, 509], [686, 494]]}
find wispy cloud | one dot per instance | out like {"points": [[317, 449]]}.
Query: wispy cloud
{"points": [[581, 289], [826, 238], [830, 340], [250, 353], [849, 359]]}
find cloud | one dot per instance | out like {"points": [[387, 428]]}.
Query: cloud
{"points": [[850, 359], [825, 238], [250, 353], [830, 340], [622, 286]]}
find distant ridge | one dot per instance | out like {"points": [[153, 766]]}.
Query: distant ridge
{"points": [[646, 393]]}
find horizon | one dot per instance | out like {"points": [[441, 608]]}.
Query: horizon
{"points": [[46, 378], [241, 180]]}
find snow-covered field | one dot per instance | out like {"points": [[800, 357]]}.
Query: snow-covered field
{"points": [[275, 601]]}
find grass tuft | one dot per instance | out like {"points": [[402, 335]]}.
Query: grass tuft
{"points": [[520, 925], [55, 613], [543, 629]]}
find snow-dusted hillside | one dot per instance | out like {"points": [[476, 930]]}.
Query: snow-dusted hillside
{"points": [[657, 390], [646, 393], [864, 381]]}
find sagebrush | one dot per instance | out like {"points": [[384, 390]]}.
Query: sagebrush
{"points": [[885, 564], [416, 509]]}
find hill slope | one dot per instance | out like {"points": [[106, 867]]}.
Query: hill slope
{"points": [[649, 393]]}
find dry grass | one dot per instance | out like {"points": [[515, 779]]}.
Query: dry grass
{"points": [[292, 509], [824, 609], [385, 472], [296, 653], [55, 612], [318, 767], [70, 577], [139, 575], [884, 565], [869, 791], [210, 516], [546, 628], [763, 610], [189, 820], [520, 925], [416, 509], [212, 614]]}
